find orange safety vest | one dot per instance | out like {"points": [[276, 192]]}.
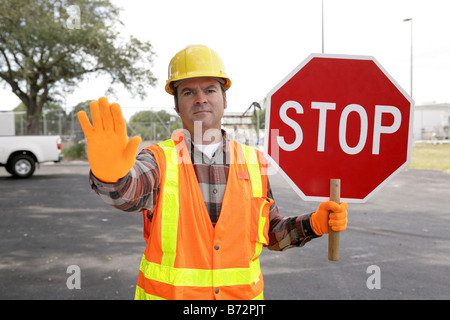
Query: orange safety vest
{"points": [[186, 257]]}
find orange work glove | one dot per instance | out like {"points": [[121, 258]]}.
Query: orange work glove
{"points": [[111, 155], [330, 214]]}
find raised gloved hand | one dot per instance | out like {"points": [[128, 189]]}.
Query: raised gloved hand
{"points": [[330, 214], [111, 155]]}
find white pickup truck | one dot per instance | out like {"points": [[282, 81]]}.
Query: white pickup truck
{"points": [[20, 154]]}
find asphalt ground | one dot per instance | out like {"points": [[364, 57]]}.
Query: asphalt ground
{"points": [[398, 241]]}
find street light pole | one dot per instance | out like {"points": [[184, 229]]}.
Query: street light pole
{"points": [[411, 20]]}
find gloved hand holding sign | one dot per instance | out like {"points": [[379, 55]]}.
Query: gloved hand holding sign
{"points": [[111, 155], [329, 214]]}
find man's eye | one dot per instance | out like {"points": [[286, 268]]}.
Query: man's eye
{"points": [[187, 93]]}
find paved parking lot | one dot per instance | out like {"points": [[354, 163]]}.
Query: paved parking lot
{"points": [[54, 220]]}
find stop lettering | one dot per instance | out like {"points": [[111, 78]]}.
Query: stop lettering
{"points": [[338, 117], [378, 128]]}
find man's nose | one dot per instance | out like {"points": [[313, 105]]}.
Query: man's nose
{"points": [[200, 98]]}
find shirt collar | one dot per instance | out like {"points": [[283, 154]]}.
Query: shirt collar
{"points": [[194, 151]]}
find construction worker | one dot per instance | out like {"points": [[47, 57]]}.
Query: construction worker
{"points": [[206, 200]]}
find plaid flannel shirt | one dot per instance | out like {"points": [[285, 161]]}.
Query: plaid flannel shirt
{"points": [[138, 191]]}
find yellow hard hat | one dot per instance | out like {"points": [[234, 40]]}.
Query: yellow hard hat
{"points": [[193, 62]]}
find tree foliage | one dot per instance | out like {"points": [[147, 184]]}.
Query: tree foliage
{"points": [[48, 46], [154, 125]]}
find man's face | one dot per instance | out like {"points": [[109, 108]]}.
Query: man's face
{"points": [[201, 101]]}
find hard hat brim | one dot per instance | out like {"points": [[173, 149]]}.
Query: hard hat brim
{"points": [[171, 85]]}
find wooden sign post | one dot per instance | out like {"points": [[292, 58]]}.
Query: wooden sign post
{"points": [[333, 236]]}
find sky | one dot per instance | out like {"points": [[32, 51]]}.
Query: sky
{"points": [[262, 41]]}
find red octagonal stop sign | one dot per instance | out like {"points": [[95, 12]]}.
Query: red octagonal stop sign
{"points": [[338, 117]]}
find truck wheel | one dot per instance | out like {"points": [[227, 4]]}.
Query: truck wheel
{"points": [[22, 166]]}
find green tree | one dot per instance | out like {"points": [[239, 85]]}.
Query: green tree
{"points": [[155, 126], [75, 129], [48, 46]]}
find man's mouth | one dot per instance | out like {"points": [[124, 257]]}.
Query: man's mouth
{"points": [[201, 111]]}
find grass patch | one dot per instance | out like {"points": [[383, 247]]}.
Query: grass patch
{"points": [[431, 156], [77, 151]]}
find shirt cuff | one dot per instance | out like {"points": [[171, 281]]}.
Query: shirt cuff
{"points": [[304, 227], [96, 183]]}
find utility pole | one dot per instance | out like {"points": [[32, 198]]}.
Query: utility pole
{"points": [[411, 77], [323, 44]]}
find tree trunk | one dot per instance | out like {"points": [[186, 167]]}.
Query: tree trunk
{"points": [[33, 115]]}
